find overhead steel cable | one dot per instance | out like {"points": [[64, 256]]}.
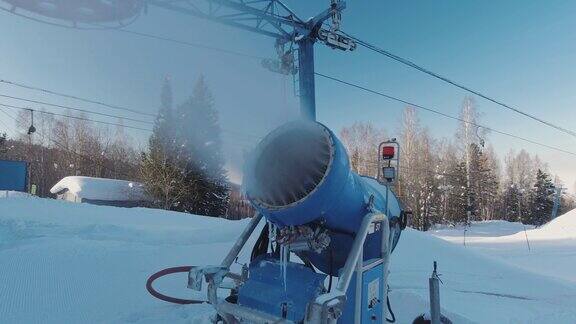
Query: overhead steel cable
{"points": [[457, 84], [29, 87], [76, 109], [3, 123], [440, 113], [190, 44], [74, 117]]}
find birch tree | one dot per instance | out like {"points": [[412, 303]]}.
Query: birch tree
{"points": [[418, 184]]}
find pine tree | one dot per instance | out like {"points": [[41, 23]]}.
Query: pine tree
{"points": [[483, 184], [511, 203], [3, 143], [199, 154], [162, 140], [457, 204], [161, 176], [542, 199]]}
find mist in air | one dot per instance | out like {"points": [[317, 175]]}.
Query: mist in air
{"points": [[113, 65]]}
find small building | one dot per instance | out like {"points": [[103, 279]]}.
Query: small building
{"points": [[100, 191]]}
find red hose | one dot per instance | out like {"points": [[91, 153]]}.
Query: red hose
{"points": [[163, 297]]}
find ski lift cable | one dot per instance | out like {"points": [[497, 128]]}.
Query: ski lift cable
{"points": [[136, 33], [381, 94], [88, 111], [190, 44], [11, 117], [29, 87], [75, 109], [74, 117], [243, 141], [3, 123], [457, 84]]}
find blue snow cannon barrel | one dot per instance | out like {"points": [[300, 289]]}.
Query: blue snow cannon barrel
{"points": [[300, 174]]}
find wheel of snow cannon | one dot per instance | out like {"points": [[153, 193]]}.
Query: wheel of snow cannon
{"points": [[422, 319]]}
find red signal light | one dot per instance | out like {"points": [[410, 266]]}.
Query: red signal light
{"points": [[388, 152]]}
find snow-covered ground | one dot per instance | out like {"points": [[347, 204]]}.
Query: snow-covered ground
{"points": [[549, 250], [70, 263], [13, 194]]}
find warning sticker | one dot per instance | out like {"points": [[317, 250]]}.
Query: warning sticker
{"points": [[374, 227]]}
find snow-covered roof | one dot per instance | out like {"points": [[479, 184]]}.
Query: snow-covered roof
{"points": [[101, 189]]}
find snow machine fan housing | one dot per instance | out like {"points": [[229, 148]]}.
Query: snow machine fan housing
{"points": [[83, 14], [284, 171]]}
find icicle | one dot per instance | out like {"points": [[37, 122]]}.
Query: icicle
{"points": [[283, 263], [271, 235]]}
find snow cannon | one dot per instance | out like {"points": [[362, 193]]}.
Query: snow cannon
{"points": [[324, 247], [300, 177]]}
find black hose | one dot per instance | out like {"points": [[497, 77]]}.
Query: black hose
{"points": [[393, 319], [163, 297], [331, 265]]}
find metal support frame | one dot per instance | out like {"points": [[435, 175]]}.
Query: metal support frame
{"points": [[306, 79], [326, 308], [214, 275], [273, 18], [434, 287]]}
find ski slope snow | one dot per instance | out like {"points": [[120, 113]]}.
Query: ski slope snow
{"points": [[548, 250], [70, 263]]}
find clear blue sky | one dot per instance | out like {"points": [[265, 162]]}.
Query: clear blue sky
{"points": [[521, 52]]}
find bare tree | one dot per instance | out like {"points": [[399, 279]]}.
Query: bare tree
{"points": [[361, 141], [169, 185], [418, 183]]}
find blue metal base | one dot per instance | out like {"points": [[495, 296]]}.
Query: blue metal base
{"points": [[265, 289]]}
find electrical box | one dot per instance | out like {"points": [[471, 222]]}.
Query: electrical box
{"points": [[14, 175], [370, 292]]}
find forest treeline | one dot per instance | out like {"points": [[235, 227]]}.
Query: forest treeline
{"points": [[458, 180]]}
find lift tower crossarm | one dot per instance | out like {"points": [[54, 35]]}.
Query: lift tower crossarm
{"points": [[273, 18]]}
